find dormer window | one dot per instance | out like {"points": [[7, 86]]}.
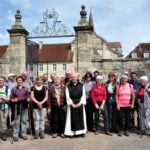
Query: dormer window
{"points": [[146, 55], [134, 55]]}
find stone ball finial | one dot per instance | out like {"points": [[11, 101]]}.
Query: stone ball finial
{"points": [[18, 11], [83, 7], [83, 13], [18, 16]]}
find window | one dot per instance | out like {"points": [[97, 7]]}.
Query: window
{"points": [[40, 67], [54, 67], [64, 67], [146, 55], [134, 55], [31, 67]]}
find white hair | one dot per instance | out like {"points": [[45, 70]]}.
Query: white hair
{"points": [[124, 76], [99, 77], [145, 78]]}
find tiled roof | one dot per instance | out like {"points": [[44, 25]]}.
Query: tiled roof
{"points": [[114, 44], [49, 53], [56, 53], [140, 50], [3, 49]]}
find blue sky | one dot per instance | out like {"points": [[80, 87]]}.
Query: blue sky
{"points": [[126, 21]]}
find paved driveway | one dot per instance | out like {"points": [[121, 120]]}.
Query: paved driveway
{"points": [[90, 142]]}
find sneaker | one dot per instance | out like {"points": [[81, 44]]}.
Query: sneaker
{"points": [[108, 133], [36, 135], [24, 137], [96, 132], [126, 133], [54, 135], [42, 135], [15, 139], [4, 136]]}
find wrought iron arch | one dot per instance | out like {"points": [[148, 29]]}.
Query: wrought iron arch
{"points": [[50, 27]]}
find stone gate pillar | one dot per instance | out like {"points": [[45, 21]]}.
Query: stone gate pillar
{"points": [[17, 46], [83, 43]]}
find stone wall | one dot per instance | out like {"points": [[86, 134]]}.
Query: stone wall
{"points": [[17, 53], [141, 66]]}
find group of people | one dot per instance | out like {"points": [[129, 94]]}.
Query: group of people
{"points": [[74, 106]]}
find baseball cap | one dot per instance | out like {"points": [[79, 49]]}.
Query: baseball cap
{"points": [[11, 75]]}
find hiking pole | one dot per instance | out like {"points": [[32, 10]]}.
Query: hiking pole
{"points": [[20, 111], [29, 113], [9, 122], [14, 123]]}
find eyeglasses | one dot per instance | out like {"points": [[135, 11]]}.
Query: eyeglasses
{"points": [[88, 76]]}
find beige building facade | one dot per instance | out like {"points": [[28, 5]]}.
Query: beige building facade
{"points": [[88, 51]]}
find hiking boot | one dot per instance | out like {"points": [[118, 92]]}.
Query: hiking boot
{"points": [[62, 135], [4, 136], [54, 135], [141, 133], [42, 135], [36, 135], [119, 133], [108, 133], [24, 137], [15, 139], [96, 132], [126, 133], [83, 135]]}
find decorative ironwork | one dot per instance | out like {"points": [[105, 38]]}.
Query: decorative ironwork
{"points": [[56, 29]]}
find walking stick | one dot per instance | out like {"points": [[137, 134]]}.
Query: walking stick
{"points": [[14, 124], [20, 109], [30, 124]]}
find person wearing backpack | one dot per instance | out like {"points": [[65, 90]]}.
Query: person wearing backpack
{"points": [[19, 97], [4, 99], [133, 80], [98, 95], [125, 98], [111, 102]]}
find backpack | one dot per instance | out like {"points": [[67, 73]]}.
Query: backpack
{"points": [[45, 88], [15, 88], [6, 90], [130, 89], [120, 85], [6, 93]]}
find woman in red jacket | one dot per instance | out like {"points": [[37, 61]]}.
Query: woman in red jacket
{"points": [[98, 95]]}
